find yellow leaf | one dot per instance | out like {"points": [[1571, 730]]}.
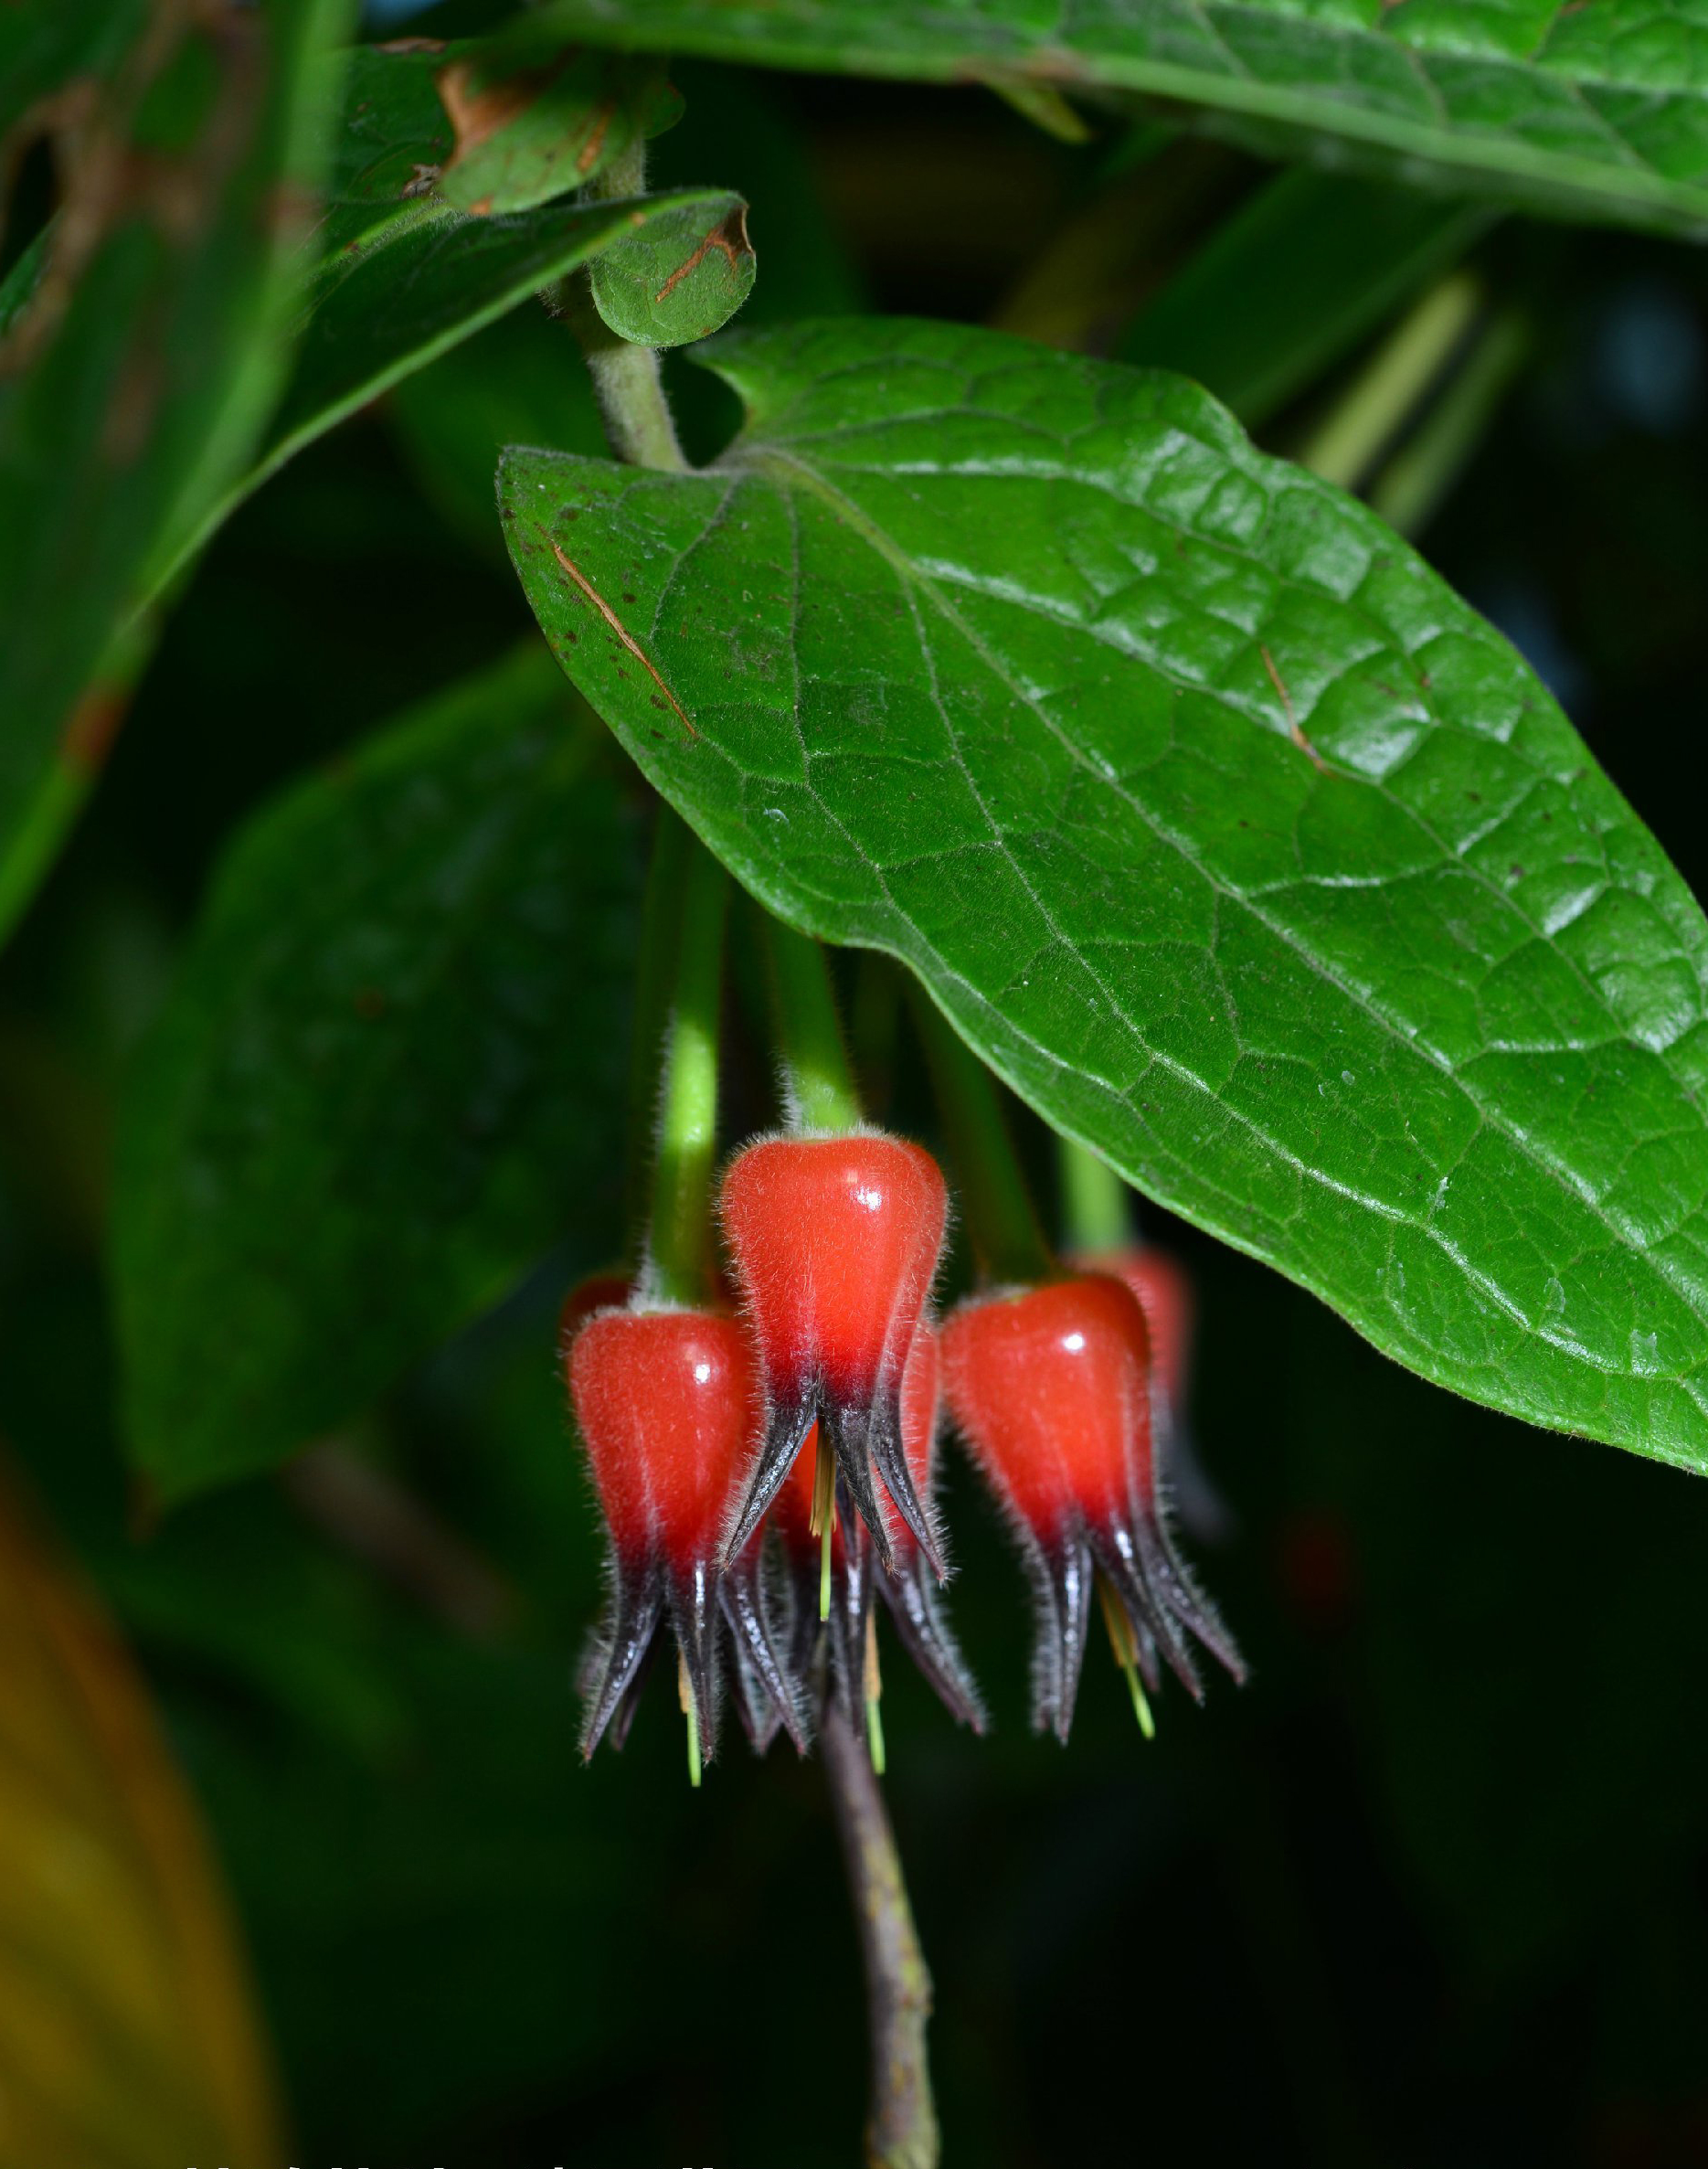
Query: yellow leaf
{"points": [[127, 2038]]}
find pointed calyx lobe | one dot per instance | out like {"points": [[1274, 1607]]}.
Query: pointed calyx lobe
{"points": [[668, 1405], [1054, 1390], [908, 1587], [835, 1240]]}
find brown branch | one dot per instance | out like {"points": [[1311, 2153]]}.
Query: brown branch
{"points": [[901, 2124]]}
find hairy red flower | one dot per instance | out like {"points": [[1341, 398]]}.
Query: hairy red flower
{"points": [[1053, 1389], [668, 1407], [1165, 1296], [834, 1242]]}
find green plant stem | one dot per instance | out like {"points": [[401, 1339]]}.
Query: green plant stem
{"points": [[901, 2120], [1385, 392], [626, 378], [655, 975], [1410, 489], [999, 1217], [678, 1260], [1094, 1200], [818, 1085]]}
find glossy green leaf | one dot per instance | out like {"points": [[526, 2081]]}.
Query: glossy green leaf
{"points": [[680, 279], [1244, 850], [137, 378], [388, 1079], [1600, 110]]}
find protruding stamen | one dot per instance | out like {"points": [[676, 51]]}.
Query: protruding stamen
{"points": [[684, 1695], [1126, 1648], [874, 1689], [823, 1518]]}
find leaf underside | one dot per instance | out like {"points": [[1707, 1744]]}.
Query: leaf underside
{"points": [[1598, 111], [1236, 844]]}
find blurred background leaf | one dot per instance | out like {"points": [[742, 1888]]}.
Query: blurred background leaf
{"points": [[136, 379], [127, 2036], [389, 1078]]}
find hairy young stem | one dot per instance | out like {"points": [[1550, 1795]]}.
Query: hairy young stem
{"points": [[1095, 1212], [901, 2121], [1000, 1219], [678, 1262], [817, 1082], [655, 977]]}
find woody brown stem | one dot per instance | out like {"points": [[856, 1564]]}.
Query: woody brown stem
{"points": [[901, 2120]]}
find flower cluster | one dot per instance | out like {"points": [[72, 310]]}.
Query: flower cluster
{"points": [[767, 1469]]}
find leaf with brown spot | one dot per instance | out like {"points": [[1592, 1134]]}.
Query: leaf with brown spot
{"points": [[489, 126], [681, 280]]}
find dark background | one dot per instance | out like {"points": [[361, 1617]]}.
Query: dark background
{"points": [[1433, 1888]]}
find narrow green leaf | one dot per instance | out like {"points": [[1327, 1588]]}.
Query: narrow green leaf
{"points": [[135, 378], [1598, 111], [416, 290], [388, 1076], [1244, 850], [680, 279]]}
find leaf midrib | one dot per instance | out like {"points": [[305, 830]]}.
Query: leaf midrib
{"points": [[787, 467], [1626, 173]]}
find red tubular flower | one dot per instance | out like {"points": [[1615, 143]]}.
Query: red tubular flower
{"points": [[1052, 1388], [1166, 1297], [598, 1292], [668, 1405], [836, 1241]]}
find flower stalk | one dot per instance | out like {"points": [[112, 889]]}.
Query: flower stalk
{"points": [[678, 1263], [901, 2121], [682, 948], [819, 1089]]}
